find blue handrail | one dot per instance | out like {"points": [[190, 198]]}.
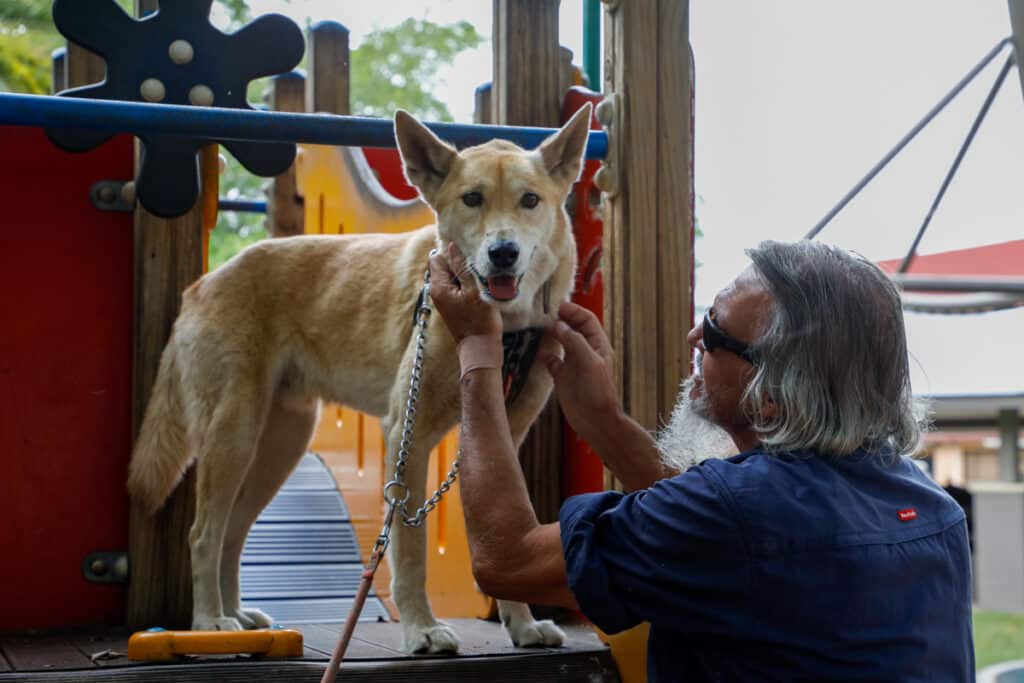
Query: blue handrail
{"points": [[235, 124]]}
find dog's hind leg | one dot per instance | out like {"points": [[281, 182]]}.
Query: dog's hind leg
{"points": [[226, 451], [287, 431]]}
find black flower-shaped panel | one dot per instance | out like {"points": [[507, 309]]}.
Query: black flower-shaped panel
{"points": [[175, 56]]}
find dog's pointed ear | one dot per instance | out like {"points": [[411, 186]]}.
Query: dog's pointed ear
{"points": [[426, 159], [562, 153]]}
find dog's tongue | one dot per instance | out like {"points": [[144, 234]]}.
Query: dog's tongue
{"points": [[502, 287]]}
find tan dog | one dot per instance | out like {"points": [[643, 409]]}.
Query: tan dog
{"points": [[287, 322]]}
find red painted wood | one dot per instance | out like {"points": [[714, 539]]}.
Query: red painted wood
{"points": [[65, 380], [582, 469], [992, 260], [388, 165]]}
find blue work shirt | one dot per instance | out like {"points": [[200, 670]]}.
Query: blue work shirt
{"points": [[781, 567]]}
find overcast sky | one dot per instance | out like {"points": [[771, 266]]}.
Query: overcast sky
{"points": [[796, 99]]}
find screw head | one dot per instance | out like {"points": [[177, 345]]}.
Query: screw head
{"points": [[98, 567]]}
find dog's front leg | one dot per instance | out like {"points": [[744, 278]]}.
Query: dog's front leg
{"points": [[522, 628], [408, 559]]}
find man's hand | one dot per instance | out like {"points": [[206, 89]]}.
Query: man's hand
{"points": [[456, 295], [584, 379]]}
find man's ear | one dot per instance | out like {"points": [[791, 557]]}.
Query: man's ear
{"points": [[562, 153], [425, 158]]}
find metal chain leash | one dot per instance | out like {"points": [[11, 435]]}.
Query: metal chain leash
{"points": [[396, 491]]}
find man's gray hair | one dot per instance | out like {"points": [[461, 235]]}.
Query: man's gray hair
{"points": [[833, 357]]}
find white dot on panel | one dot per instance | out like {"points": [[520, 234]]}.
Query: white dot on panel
{"points": [[201, 96], [152, 90], [181, 52]]}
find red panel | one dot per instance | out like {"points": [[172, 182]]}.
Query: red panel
{"points": [[388, 165], [993, 260], [65, 380], [583, 471]]}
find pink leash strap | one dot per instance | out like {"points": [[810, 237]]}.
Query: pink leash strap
{"points": [[353, 616]]}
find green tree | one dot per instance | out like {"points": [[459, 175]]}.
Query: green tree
{"points": [[393, 67], [397, 66]]}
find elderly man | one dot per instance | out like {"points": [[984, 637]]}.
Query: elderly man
{"points": [[819, 553]]}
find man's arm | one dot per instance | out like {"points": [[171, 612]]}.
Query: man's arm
{"points": [[589, 400], [514, 556]]}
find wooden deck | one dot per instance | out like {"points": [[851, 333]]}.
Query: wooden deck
{"points": [[486, 654]]}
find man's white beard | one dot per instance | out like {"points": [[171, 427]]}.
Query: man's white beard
{"points": [[690, 437]]}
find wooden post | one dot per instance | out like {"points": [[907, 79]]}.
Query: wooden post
{"points": [[525, 91], [328, 84], [83, 67], [59, 71], [648, 223], [483, 111], [285, 206], [168, 258]]}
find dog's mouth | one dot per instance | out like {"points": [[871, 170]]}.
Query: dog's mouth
{"points": [[503, 287]]}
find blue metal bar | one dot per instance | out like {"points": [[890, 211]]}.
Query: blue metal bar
{"points": [[236, 124], [242, 205], [950, 96], [982, 113]]}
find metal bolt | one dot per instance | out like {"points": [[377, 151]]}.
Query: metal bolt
{"points": [[98, 567], [107, 194]]}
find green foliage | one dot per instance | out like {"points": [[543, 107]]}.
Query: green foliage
{"points": [[397, 67], [393, 67], [998, 637]]}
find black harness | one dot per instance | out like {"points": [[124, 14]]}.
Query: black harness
{"points": [[520, 350]]}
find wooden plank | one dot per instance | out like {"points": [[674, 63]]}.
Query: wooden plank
{"points": [[648, 223], [168, 258], [675, 203], [286, 207], [526, 62], [322, 638], [525, 91], [43, 653], [328, 54], [99, 642], [572, 667]]}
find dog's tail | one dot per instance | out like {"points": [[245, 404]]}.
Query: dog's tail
{"points": [[161, 453]]}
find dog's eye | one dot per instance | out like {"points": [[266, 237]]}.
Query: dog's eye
{"points": [[529, 200], [472, 199]]}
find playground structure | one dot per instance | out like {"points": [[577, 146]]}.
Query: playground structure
{"points": [[136, 256]]}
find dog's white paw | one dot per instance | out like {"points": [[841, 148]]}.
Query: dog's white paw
{"points": [[216, 624], [535, 633], [250, 617], [433, 638]]}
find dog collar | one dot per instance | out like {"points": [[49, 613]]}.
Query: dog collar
{"points": [[519, 350]]}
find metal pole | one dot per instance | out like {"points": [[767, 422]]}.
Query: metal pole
{"points": [[950, 96], [242, 205], [592, 42], [935, 283], [1017, 23], [1009, 445], [215, 124], [982, 113]]}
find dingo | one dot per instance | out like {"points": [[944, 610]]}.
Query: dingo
{"points": [[290, 321]]}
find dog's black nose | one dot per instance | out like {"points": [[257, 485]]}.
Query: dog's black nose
{"points": [[503, 254]]}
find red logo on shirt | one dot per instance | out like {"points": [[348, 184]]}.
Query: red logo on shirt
{"points": [[907, 515]]}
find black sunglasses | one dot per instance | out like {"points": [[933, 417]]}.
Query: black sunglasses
{"points": [[715, 337]]}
